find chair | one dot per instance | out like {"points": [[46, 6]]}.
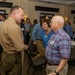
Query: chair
{"points": [[72, 56], [32, 48], [37, 63]]}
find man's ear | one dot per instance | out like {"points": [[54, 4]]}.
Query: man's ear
{"points": [[14, 14]]}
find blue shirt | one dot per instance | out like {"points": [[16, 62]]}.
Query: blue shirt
{"points": [[22, 28], [58, 47], [68, 29], [27, 27], [45, 37], [36, 33]]}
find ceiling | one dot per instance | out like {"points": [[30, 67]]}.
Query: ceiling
{"points": [[64, 2]]}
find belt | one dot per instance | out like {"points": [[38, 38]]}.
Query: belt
{"points": [[39, 39], [52, 64], [11, 52]]}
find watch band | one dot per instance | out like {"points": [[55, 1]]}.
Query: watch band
{"points": [[56, 73]]}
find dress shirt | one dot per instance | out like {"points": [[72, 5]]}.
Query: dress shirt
{"points": [[11, 36], [27, 27], [36, 33], [68, 29], [58, 47]]}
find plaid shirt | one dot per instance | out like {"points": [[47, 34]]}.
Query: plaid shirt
{"points": [[58, 47]]}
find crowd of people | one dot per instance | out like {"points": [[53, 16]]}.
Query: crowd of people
{"points": [[52, 38]]}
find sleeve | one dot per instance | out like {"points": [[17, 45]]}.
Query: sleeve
{"points": [[65, 47], [34, 32], [17, 39], [67, 28]]}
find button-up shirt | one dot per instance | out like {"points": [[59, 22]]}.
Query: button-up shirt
{"points": [[11, 36], [58, 47], [36, 33]]}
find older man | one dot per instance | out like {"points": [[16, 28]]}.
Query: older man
{"points": [[12, 41], [58, 48]]}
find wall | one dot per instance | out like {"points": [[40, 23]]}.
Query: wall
{"points": [[12, 1], [71, 16], [64, 10], [35, 14], [29, 8]]}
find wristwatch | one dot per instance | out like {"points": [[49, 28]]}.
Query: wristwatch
{"points": [[56, 73]]}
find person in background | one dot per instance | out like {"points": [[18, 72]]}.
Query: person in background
{"points": [[71, 22], [68, 29], [23, 29], [2, 19], [35, 22], [37, 39], [27, 30], [72, 25], [46, 32], [11, 41], [58, 48], [32, 26]]}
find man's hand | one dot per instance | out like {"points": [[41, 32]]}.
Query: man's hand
{"points": [[52, 73], [26, 47], [34, 43]]}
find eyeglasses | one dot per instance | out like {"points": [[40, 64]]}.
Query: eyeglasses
{"points": [[53, 22]]}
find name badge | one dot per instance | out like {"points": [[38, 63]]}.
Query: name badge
{"points": [[51, 42], [22, 29], [45, 36]]}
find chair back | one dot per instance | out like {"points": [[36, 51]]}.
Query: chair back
{"points": [[32, 47], [38, 61], [72, 54], [29, 56]]}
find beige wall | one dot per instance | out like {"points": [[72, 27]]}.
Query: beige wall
{"points": [[12, 1], [29, 8], [35, 14], [64, 10], [71, 16]]}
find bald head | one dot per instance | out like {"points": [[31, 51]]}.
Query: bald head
{"points": [[59, 19], [57, 22]]}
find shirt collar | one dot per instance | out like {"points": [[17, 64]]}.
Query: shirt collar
{"points": [[11, 19], [58, 31]]}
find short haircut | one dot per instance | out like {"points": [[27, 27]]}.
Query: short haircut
{"points": [[27, 19], [47, 21], [35, 21], [16, 7]]}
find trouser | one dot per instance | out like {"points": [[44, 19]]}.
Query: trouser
{"points": [[52, 68], [0, 51], [27, 38], [40, 49], [12, 63]]}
